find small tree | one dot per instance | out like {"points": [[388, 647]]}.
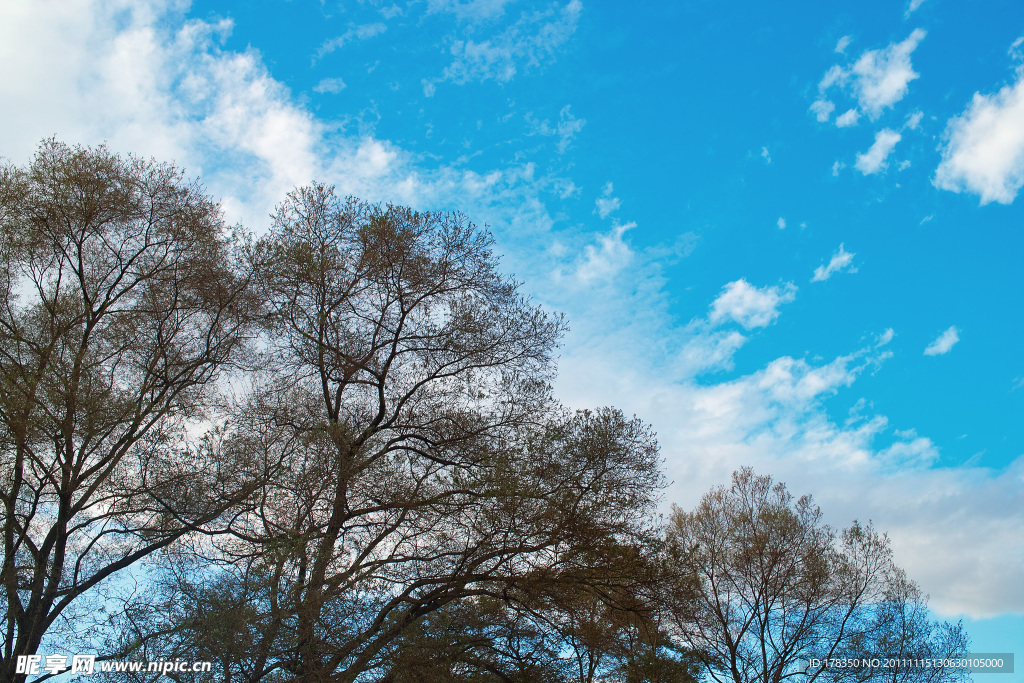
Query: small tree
{"points": [[766, 586], [121, 307]]}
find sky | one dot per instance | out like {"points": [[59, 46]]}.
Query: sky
{"points": [[787, 235]]}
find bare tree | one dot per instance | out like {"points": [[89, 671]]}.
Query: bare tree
{"points": [[767, 587], [425, 461], [121, 307]]}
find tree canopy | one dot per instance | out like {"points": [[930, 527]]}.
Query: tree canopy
{"points": [[332, 453]]}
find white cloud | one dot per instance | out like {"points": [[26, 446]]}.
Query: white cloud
{"points": [[914, 120], [915, 452], [885, 337], [837, 166], [766, 155], [362, 32], [118, 71], [822, 109], [750, 306], [882, 76], [795, 381], [848, 119], [781, 223], [602, 261], [471, 10], [566, 129], [874, 160], [914, 4], [836, 75], [842, 44], [878, 79], [775, 419], [984, 150], [606, 203], [533, 39], [709, 350], [1014, 51], [391, 12], [841, 260], [139, 76], [329, 85], [943, 343]]}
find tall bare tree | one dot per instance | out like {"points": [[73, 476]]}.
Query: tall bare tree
{"points": [[121, 307], [766, 587], [425, 461]]}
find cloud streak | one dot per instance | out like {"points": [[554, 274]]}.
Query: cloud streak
{"points": [[531, 41], [841, 260], [944, 343], [362, 32], [874, 160]]}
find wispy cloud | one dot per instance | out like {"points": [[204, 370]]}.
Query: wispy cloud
{"points": [[606, 203], [529, 42], [874, 160], [848, 119], [750, 306], [566, 128], [944, 343], [823, 109], [361, 32], [1014, 50], [471, 10], [710, 350], [329, 86], [841, 260], [391, 11], [914, 120], [912, 7], [984, 149], [606, 258]]}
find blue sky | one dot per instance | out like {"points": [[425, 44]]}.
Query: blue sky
{"points": [[787, 236]]}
